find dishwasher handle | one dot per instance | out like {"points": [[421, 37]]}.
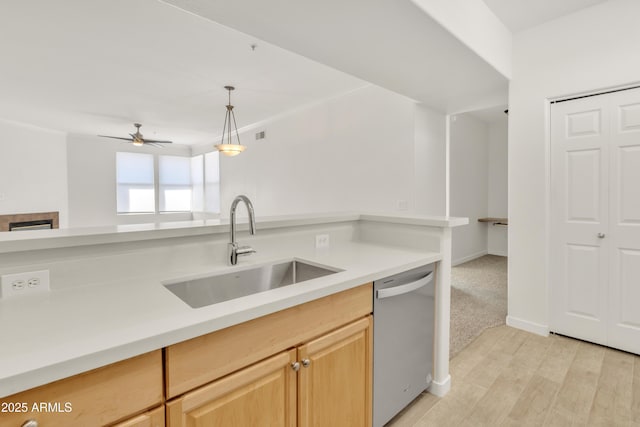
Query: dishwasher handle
{"points": [[405, 289]]}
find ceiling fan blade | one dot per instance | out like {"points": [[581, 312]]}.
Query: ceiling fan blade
{"points": [[115, 137], [155, 141]]}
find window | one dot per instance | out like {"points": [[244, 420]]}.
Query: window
{"points": [[197, 183], [175, 183], [135, 183], [212, 182], [205, 181], [147, 183]]}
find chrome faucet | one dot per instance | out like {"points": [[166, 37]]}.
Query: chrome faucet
{"points": [[233, 250]]}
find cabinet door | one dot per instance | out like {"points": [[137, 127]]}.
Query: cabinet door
{"points": [[261, 394], [335, 385], [153, 418]]}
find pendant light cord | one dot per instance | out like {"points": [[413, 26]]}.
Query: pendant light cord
{"points": [[229, 114]]}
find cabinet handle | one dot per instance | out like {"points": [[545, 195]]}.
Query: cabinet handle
{"points": [[600, 235], [306, 363], [30, 423], [295, 366]]}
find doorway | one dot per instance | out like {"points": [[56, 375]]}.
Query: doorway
{"points": [[478, 190]]}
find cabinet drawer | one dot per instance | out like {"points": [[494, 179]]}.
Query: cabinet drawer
{"points": [[97, 397], [198, 361]]}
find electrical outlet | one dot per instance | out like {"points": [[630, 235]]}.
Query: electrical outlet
{"points": [[322, 241], [403, 205], [28, 283]]}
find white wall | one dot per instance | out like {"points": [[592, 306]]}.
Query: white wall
{"points": [[33, 170], [429, 161], [355, 152], [596, 48], [92, 181], [497, 241], [369, 150], [469, 144]]}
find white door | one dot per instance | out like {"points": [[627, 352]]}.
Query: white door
{"points": [[624, 231], [595, 225], [579, 185]]}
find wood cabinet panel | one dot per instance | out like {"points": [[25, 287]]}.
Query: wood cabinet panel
{"points": [[263, 394], [153, 418], [97, 397], [198, 361], [335, 389]]}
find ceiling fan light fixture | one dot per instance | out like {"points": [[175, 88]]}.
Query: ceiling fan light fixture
{"points": [[228, 148]]}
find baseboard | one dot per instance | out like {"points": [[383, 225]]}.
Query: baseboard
{"points": [[440, 388], [498, 253], [468, 258], [528, 326]]}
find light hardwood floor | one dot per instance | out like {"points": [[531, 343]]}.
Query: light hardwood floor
{"points": [[508, 377]]}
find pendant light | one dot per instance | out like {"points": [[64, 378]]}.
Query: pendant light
{"points": [[227, 147]]}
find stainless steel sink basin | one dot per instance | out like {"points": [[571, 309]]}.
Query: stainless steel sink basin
{"points": [[209, 290]]}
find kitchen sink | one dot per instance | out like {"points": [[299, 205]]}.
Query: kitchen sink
{"points": [[217, 288]]}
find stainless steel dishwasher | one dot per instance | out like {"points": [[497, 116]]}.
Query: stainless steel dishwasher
{"points": [[403, 315]]}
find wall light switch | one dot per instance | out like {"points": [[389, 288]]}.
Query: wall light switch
{"points": [[28, 283], [322, 241]]}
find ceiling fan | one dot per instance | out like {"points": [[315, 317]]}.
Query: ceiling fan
{"points": [[138, 139]]}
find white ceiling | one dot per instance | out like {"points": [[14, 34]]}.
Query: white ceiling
{"points": [[96, 67], [519, 15], [391, 43]]}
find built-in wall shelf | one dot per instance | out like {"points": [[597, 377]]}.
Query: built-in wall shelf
{"points": [[495, 221]]}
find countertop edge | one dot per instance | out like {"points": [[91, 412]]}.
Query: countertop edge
{"points": [[62, 238]]}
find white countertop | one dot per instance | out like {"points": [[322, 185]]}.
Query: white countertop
{"points": [[67, 237], [90, 323], [64, 332]]}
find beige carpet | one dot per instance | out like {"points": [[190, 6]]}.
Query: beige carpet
{"points": [[478, 299]]}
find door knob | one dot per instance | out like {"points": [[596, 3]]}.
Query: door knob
{"points": [[295, 366], [600, 235], [306, 363]]}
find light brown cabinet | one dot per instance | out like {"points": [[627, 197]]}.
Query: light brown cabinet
{"points": [[99, 397], [308, 365], [262, 394], [153, 418], [325, 382], [196, 362], [334, 388]]}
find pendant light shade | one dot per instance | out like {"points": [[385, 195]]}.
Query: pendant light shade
{"points": [[226, 146], [230, 149]]}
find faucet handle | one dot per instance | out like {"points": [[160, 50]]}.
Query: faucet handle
{"points": [[245, 250]]}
